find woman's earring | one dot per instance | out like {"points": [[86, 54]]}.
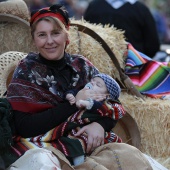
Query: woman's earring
{"points": [[67, 42]]}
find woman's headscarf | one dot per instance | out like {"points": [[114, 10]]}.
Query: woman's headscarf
{"points": [[56, 11]]}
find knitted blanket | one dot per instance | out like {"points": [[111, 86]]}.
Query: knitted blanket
{"points": [[151, 78]]}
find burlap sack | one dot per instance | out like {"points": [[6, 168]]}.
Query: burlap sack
{"points": [[107, 157], [111, 156]]}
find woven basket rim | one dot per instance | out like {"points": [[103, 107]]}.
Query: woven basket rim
{"points": [[13, 18]]}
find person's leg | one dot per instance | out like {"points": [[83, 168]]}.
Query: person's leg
{"points": [[78, 160], [116, 156]]}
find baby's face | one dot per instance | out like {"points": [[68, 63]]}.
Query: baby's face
{"points": [[99, 85]]}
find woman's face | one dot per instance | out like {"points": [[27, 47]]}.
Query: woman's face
{"points": [[99, 85], [49, 40]]}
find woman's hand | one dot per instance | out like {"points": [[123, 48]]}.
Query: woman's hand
{"points": [[86, 93], [95, 135]]}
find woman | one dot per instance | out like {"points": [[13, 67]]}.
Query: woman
{"points": [[36, 95], [36, 92]]}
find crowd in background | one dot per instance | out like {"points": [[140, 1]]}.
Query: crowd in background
{"points": [[76, 9], [161, 13]]}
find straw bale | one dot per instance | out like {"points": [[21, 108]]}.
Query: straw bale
{"points": [[153, 119], [87, 46], [15, 7], [13, 35], [152, 115]]}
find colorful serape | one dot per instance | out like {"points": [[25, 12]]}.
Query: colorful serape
{"points": [[151, 78]]}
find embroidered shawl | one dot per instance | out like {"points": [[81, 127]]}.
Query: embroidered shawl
{"points": [[37, 83]]}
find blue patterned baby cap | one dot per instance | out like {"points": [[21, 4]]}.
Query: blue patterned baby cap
{"points": [[112, 86]]}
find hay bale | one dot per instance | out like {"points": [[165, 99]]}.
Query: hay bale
{"points": [[14, 27], [151, 115], [153, 119], [87, 46]]}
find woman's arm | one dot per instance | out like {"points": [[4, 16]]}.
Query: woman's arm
{"points": [[95, 131], [29, 125], [106, 122]]}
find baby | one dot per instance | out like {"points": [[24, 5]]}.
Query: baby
{"points": [[100, 83]]}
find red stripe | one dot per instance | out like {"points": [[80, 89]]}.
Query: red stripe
{"points": [[30, 107], [38, 15]]}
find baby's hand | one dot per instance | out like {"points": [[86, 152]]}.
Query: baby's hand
{"points": [[71, 98], [82, 104], [86, 93]]}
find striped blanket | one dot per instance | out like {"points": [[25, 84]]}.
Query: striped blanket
{"points": [[62, 137], [151, 78]]}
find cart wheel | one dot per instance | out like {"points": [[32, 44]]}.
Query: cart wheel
{"points": [[128, 130]]}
